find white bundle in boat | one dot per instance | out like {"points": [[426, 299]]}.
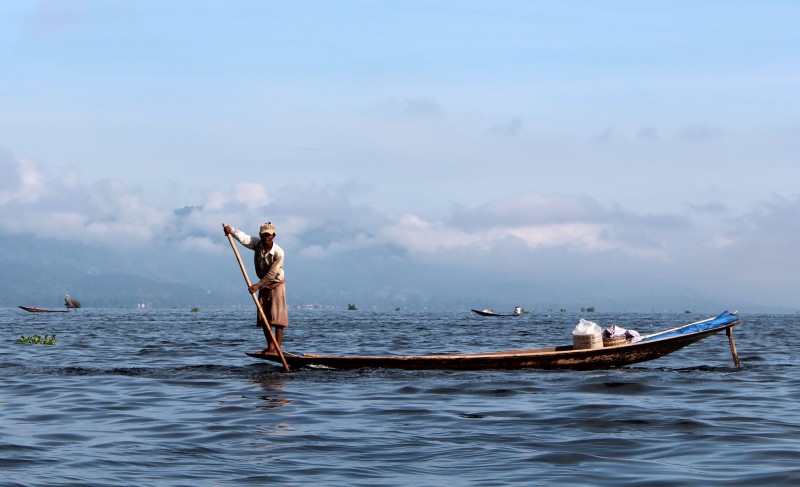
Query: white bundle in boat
{"points": [[587, 334]]}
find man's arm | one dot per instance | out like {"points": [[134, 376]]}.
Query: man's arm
{"points": [[275, 268], [243, 238]]}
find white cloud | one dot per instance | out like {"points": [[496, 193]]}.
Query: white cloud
{"points": [[313, 252], [22, 179], [252, 195], [418, 235], [530, 208], [721, 241], [587, 237], [205, 245], [215, 200]]}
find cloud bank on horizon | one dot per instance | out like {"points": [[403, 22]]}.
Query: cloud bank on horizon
{"points": [[747, 255], [619, 141]]}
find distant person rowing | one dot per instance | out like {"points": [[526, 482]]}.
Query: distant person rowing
{"points": [[268, 260]]}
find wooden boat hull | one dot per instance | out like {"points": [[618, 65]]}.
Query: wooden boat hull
{"points": [[562, 357], [34, 309]]}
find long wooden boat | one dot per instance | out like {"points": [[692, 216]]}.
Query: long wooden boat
{"points": [[34, 309], [560, 357]]}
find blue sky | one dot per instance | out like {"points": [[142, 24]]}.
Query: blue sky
{"points": [[539, 138]]}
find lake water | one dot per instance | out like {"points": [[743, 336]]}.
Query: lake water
{"points": [[168, 398]]}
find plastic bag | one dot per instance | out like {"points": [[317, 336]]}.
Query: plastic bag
{"points": [[614, 331], [586, 327]]}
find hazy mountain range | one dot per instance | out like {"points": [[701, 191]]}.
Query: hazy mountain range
{"points": [[38, 273]]}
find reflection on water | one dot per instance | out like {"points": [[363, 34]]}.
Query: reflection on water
{"points": [[273, 387]]}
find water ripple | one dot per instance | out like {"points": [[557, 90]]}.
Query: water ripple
{"points": [[167, 397]]}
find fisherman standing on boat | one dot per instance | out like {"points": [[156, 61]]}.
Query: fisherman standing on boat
{"points": [[268, 259]]}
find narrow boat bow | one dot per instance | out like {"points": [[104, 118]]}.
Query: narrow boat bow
{"points": [[34, 309]]}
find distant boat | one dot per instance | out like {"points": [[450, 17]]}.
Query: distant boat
{"points": [[34, 309], [488, 312], [560, 357], [69, 303]]}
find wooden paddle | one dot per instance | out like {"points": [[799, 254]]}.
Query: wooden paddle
{"points": [[729, 332], [267, 328]]}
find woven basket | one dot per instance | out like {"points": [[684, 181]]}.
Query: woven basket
{"points": [[615, 341], [582, 342]]}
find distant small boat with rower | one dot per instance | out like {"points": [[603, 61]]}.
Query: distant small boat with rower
{"points": [[487, 312], [69, 303]]}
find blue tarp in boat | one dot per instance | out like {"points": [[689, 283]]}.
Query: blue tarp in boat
{"points": [[724, 318]]}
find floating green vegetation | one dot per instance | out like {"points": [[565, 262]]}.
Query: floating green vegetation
{"points": [[37, 340], [195, 310]]}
